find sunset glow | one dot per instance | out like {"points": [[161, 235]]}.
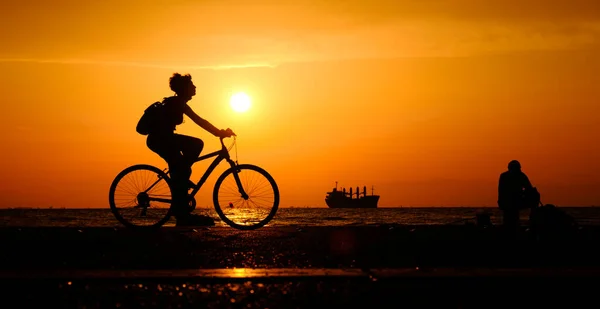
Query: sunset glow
{"points": [[426, 101]]}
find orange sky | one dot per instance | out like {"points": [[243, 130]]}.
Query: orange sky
{"points": [[425, 100]]}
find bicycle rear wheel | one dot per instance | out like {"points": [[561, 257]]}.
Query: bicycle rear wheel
{"points": [[140, 196], [255, 211]]}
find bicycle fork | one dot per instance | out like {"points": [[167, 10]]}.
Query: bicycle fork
{"points": [[236, 176]]}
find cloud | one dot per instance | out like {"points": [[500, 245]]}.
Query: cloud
{"points": [[265, 33], [404, 39], [468, 10], [383, 41], [135, 64]]}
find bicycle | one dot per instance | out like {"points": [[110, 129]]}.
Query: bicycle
{"points": [[235, 192]]}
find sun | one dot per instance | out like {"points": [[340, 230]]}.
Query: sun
{"points": [[240, 102]]}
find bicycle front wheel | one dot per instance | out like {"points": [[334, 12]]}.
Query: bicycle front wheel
{"points": [[140, 196], [252, 212]]}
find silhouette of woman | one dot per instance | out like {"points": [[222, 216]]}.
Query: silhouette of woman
{"points": [[180, 151]]}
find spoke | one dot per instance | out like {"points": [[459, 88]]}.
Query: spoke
{"points": [[125, 197], [259, 204]]}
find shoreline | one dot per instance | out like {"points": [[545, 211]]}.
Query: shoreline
{"points": [[383, 246], [286, 217], [294, 267]]}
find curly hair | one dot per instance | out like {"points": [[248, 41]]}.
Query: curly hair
{"points": [[179, 83]]}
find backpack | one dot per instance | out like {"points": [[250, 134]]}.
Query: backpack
{"points": [[551, 222], [150, 118]]}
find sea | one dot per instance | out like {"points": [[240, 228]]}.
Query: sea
{"points": [[27, 217]]}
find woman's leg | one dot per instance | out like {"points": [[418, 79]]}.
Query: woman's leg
{"points": [[190, 147], [180, 152], [180, 172]]}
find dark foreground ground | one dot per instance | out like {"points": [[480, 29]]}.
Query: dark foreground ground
{"points": [[397, 266]]}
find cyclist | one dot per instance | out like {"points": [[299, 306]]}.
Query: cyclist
{"points": [[181, 151]]}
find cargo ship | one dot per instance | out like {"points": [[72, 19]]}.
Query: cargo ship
{"points": [[342, 199]]}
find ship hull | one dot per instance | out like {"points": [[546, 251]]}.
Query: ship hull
{"points": [[344, 202]]}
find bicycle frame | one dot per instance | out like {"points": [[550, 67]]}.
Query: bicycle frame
{"points": [[220, 155]]}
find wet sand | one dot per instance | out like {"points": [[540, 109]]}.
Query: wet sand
{"points": [[461, 265], [311, 247]]}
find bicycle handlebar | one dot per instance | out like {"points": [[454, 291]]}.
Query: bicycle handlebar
{"points": [[221, 140]]}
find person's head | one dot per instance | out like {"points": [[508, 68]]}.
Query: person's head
{"points": [[514, 166], [182, 85]]}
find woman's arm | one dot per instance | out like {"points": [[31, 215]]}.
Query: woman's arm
{"points": [[202, 122]]}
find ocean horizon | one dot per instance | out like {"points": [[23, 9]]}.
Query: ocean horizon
{"points": [[288, 216]]}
